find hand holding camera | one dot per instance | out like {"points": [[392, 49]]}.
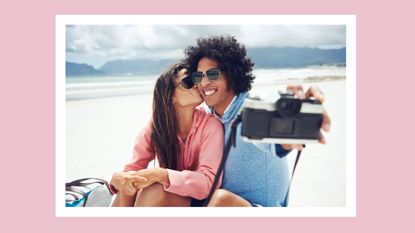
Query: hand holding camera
{"points": [[317, 94], [292, 121]]}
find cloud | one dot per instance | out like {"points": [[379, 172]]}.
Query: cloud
{"points": [[95, 44], [297, 36]]}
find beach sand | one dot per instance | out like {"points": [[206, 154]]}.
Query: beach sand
{"points": [[100, 135]]}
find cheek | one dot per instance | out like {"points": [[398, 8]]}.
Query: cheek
{"points": [[198, 88], [223, 86], [181, 101]]}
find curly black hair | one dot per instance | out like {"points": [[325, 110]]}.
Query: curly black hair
{"points": [[231, 57]]}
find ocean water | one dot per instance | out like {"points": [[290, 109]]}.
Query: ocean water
{"points": [[80, 88]]}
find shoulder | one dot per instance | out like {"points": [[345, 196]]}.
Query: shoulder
{"points": [[146, 130], [208, 123]]}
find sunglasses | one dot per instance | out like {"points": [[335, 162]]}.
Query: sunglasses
{"points": [[187, 82], [212, 74]]}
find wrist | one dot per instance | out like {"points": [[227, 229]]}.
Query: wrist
{"points": [[161, 175], [286, 147]]}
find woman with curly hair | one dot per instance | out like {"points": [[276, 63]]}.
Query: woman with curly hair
{"points": [[187, 142], [253, 174]]}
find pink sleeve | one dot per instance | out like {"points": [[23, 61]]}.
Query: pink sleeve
{"points": [[142, 153], [197, 183]]}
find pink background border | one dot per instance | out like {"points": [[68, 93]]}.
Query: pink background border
{"points": [[28, 135]]}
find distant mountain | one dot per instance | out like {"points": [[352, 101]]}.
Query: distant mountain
{"points": [[264, 57], [76, 69], [137, 66], [291, 57]]}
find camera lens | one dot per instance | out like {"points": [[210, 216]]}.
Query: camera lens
{"points": [[288, 107], [287, 104]]}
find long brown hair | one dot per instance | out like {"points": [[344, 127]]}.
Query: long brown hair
{"points": [[165, 126]]}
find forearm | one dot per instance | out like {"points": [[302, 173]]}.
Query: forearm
{"points": [[160, 175], [195, 184], [153, 175]]}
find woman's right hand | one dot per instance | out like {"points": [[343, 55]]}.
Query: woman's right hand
{"points": [[124, 182]]}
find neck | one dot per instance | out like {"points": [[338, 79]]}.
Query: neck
{"points": [[184, 120], [220, 108]]}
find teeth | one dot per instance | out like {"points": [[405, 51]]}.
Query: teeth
{"points": [[210, 92]]}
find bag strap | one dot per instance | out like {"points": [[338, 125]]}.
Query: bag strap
{"points": [[82, 183], [76, 190], [292, 175], [76, 198], [232, 141], [71, 190]]}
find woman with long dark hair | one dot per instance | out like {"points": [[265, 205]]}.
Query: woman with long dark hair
{"points": [[187, 142]]}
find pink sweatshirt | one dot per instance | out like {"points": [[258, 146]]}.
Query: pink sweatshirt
{"points": [[198, 161]]}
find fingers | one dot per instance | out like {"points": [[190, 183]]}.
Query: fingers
{"points": [[129, 179], [131, 172], [297, 91], [139, 179], [292, 146], [139, 185], [295, 88], [322, 140], [130, 190], [325, 124], [135, 181], [315, 92]]}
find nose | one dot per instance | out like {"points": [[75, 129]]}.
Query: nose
{"points": [[205, 81]]}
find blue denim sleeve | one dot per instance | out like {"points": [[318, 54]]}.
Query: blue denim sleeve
{"points": [[281, 152]]}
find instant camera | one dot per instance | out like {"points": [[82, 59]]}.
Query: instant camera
{"points": [[287, 121]]}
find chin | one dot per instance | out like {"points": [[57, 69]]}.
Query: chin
{"points": [[210, 103]]}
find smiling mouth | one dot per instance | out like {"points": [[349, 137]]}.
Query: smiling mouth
{"points": [[209, 92]]}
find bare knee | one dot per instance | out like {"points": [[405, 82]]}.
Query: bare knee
{"points": [[153, 195], [222, 197], [124, 198]]}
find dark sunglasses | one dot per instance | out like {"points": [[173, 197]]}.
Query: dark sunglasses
{"points": [[187, 82], [212, 74]]}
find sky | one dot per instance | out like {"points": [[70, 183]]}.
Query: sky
{"points": [[97, 44]]}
